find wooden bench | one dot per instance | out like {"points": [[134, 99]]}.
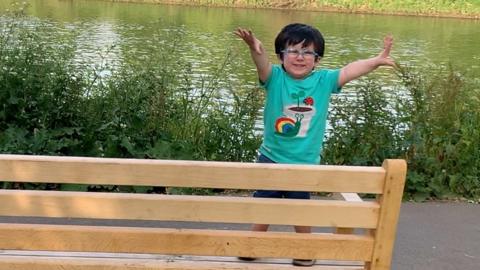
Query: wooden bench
{"points": [[78, 239]]}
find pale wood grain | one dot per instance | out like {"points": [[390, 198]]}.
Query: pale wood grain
{"points": [[325, 213], [349, 197], [185, 241], [54, 263], [390, 202], [204, 174], [375, 248]]}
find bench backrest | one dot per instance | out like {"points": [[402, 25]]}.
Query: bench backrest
{"points": [[378, 217]]}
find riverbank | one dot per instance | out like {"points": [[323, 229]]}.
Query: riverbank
{"points": [[449, 9]]}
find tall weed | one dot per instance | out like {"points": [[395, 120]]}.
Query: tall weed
{"points": [[363, 128], [443, 135], [154, 107], [40, 94], [432, 121]]}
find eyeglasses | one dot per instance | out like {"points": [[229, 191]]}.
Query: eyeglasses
{"points": [[294, 53]]}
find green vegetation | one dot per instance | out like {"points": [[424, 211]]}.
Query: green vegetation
{"points": [[455, 8], [145, 108], [426, 7], [155, 107], [433, 123]]}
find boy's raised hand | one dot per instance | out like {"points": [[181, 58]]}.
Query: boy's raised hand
{"points": [[359, 68], [249, 38], [384, 56], [258, 53]]}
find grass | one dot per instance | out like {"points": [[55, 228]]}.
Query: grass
{"points": [[446, 8]]}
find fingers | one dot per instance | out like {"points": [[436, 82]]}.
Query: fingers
{"points": [[239, 32], [388, 61], [250, 39], [391, 62], [388, 41], [387, 45], [385, 58], [246, 35], [243, 33]]}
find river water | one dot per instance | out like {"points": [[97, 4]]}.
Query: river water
{"points": [[419, 41]]}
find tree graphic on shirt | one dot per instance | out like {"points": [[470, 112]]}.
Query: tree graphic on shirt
{"points": [[298, 96]]}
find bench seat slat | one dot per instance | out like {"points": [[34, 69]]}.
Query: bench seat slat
{"points": [[203, 174], [185, 241], [144, 256], [75, 263], [321, 213]]}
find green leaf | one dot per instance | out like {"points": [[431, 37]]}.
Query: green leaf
{"points": [[142, 189], [420, 196], [128, 145], [162, 149], [73, 187]]}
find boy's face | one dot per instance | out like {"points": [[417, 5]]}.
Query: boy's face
{"points": [[299, 61]]}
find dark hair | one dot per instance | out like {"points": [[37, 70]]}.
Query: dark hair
{"points": [[295, 33]]}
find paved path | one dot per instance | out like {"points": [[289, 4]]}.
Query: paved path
{"points": [[431, 236], [438, 236]]}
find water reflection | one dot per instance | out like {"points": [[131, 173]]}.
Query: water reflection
{"points": [[419, 41], [109, 33], [96, 45]]}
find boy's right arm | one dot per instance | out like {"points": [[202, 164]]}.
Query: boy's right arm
{"points": [[259, 56], [362, 67]]}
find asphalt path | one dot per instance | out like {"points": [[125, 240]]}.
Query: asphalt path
{"points": [[438, 236]]}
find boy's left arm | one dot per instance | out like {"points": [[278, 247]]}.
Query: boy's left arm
{"points": [[361, 67]]}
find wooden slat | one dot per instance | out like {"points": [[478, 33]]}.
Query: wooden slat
{"points": [[95, 261], [349, 197], [75, 263], [190, 242], [203, 174], [387, 225], [327, 213], [146, 257]]}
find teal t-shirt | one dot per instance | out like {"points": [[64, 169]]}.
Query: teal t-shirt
{"points": [[295, 115]]}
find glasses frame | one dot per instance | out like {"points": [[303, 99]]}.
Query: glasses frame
{"points": [[304, 53]]}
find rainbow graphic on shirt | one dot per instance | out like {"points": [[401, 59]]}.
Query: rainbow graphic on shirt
{"points": [[287, 127], [284, 124]]}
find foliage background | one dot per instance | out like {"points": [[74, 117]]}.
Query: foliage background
{"points": [[445, 8], [156, 108]]}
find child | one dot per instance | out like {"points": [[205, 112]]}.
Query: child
{"points": [[297, 99]]}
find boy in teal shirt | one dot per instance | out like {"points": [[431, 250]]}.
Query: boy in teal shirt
{"points": [[297, 99]]}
